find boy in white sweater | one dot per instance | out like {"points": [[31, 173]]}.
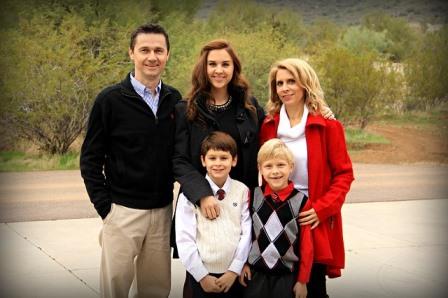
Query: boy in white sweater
{"points": [[215, 251]]}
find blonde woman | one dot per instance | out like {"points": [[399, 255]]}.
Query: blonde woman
{"points": [[324, 171]]}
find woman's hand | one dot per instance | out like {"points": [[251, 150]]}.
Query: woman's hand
{"points": [[309, 217], [209, 207]]}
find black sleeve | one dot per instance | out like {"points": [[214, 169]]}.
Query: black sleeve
{"points": [[260, 112], [193, 183], [92, 160]]}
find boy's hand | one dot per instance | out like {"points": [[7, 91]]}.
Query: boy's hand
{"points": [[245, 273], [208, 284], [226, 281], [209, 207], [309, 217], [300, 290]]}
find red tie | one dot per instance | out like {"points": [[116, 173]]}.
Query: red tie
{"points": [[221, 193]]}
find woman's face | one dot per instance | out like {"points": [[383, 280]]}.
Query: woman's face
{"points": [[219, 68], [288, 89]]}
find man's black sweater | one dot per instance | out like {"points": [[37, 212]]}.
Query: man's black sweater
{"points": [[133, 146]]}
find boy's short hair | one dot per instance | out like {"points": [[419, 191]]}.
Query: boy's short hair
{"points": [[275, 148], [218, 140]]}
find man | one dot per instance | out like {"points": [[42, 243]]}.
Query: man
{"points": [[127, 170]]}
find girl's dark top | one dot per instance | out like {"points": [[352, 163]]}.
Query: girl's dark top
{"points": [[237, 121]]}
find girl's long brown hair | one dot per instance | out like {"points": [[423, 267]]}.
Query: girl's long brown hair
{"points": [[200, 85]]}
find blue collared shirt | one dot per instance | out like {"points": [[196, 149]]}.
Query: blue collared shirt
{"points": [[151, 100]]}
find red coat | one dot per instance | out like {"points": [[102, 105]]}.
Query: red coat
{"points": [[330, 175]]}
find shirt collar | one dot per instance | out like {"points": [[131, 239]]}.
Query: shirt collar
{"points": [[215, 188], [283, 194], [141, 89]]}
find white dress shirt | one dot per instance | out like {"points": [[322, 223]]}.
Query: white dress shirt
{"points": [[187, 218], [152, 100]]}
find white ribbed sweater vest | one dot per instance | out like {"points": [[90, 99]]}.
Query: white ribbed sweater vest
{"points": [[218, 239]]}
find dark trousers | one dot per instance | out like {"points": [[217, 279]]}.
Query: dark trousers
{"points": [[187, 293], [317, 286], [263, 285], [197, 292]]}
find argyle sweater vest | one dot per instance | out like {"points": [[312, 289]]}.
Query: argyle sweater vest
{"points": [[275, 232]]}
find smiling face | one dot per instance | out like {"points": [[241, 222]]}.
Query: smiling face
{"points": [[218, 164], [219, 68], [276, 172], [288, 89], [149, 55]]}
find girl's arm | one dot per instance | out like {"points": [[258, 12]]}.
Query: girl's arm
{"points": [[193, 183]]}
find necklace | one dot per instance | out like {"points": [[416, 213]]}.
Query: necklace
{"points": [[220, 108]]}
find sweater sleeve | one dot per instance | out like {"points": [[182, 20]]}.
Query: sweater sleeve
{"points": [[92, 160], [341, 172], [193, 183], [306, 250]]}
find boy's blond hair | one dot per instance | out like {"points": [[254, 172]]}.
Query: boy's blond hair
{"points": [[274, 148]]}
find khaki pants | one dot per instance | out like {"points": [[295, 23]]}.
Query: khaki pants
{"points": [[136, 243]]}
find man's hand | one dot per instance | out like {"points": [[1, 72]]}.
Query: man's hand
{"points": [[300, 290], [226, 281], [208, 284], [309, 217], [209, 207], [245, 273]]}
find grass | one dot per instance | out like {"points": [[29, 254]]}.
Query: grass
{"points": [[15, 161], [358, 139], [433, 122], [417, 119]]}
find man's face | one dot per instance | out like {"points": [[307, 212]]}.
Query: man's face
{"points": [[149, 55]]}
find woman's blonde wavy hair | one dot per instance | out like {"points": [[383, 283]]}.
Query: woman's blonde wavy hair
{"points": [[305, 76]]}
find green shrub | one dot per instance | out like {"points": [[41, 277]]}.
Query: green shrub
{"points": [[360, 39], [426, 71]]}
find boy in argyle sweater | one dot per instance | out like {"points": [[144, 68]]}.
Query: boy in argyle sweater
{"points": [[280, 260], [215, 251]]}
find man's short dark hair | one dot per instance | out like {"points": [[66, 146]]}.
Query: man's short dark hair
{"points": [[149, 28], [218, 140]]}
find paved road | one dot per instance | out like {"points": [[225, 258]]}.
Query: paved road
{"points": [[54, 195]]}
